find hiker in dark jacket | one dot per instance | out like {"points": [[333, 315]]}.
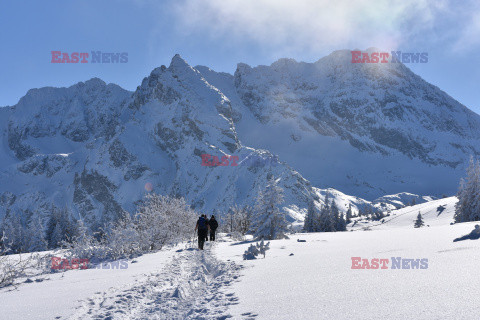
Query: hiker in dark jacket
{"points": [[202, 228], [213, 224], [208, 224]]}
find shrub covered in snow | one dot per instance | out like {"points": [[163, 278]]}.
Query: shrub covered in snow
{"points": [[254, 250], [163, 220], [159, 221], [13, 267]]}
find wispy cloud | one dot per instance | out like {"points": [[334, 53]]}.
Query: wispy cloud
{"points": [[319, 25]]}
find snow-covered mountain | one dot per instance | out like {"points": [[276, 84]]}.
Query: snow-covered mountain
{"points": [[96, 148], [367, 130]]}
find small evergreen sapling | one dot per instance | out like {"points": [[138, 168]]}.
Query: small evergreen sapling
{"points": [[419, 222]]}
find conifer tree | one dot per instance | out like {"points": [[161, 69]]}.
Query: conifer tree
{"points": [[14, 232], [338, 218], [311, 219], [419, 222], [60, 227], [326, 221], [270, 222], [468, 205], [36, 235], [349, 215]]}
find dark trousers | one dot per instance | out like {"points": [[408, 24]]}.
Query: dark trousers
{"points": [[212, 235], [202, 234]]}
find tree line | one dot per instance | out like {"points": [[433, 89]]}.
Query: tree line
{"points": [[160, 221]]}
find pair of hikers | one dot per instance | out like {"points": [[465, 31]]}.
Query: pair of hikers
{"points": [[203, 226]]}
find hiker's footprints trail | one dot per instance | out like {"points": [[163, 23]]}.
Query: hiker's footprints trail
{"points": [[193, 286]]}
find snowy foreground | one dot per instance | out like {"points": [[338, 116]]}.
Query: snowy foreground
{"points": [[297, 280]]}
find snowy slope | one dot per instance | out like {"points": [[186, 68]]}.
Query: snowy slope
{"points": [[296, 280], [314, 279], [58, 294], [435, 213]]}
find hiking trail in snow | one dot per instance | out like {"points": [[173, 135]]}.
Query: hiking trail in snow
{"points": [[194, 285]]}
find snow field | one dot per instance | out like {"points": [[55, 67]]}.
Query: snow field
{"points": [[59, 293], [317, 281], [296, 280], [194, 285]]}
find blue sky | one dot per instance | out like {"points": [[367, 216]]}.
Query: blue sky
{"points": [[222, 33]]}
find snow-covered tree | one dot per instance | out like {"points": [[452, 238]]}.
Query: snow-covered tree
{"points": [[339, 220], [36, 235], [14, 233], [377, 215], [468, 205], [4, 248], [60, 228], [326, 222], [419, 222], [243, 219], [270, 223], [83, 245], [56, 237], [123, 238], [349, 214], [163, 220], [237, 221], [367, 211], [311, 223], [228, 221]]}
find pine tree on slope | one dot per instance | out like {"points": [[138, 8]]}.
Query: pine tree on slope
{"points": [[61, 227], [338, 218], [419, 222], [468, 205], [56, 237], [311, 219], [349, 214], [326, 221], [36, 235], [270, 222], [14, 233]]}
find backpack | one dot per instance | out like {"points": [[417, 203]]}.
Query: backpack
{"points": [[213, 224], [202, 223]]}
